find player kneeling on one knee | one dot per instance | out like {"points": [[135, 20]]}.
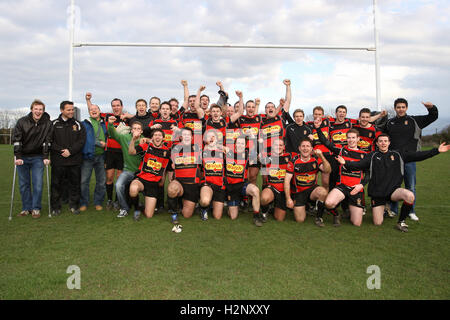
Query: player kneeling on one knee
{"points": [[236, 172], [186, 162], [303, 168], [274, 172], [155, 159]]}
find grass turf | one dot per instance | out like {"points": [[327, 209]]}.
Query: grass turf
{"points": [[123, 259]]}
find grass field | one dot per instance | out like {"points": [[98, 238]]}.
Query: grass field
{"points": [[123, 259]]}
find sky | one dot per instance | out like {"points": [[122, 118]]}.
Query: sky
{"points": [[414, 52]]}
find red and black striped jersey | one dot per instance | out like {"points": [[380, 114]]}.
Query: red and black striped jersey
{"points": [[338, 132], [271, 129], [348, 177], [250, 127], [232, 132], [111, 144], [214, 167], [367, 137], [236, 169], [154, 162], [325, 128], [219, 128], [274, 169], [166, 127], [191, 120], [304, 173], [187, 161]]}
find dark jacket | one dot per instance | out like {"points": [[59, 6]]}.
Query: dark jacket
{"points": [[405, 132], [145, 119], [386, 169], [89, 145], [295, 133], [31, 138], [69, 135]]}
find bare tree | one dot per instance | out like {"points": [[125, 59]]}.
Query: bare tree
{"points": [[8, 119]]}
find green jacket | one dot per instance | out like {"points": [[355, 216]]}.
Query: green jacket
{"points": [[130, 162]]}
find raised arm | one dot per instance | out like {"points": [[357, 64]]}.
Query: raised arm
{"points": [[131, 147], [200, 112], [287, 99], [184, 83], [111, 129], [240, 111], [223, 96], [423, 121], [88, 97]]}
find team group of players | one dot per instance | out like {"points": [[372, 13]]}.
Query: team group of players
{"points": [[212, 154]]}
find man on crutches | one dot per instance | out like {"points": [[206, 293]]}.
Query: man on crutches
{"points": [[31, 139]]}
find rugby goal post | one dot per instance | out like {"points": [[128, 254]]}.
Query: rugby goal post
{"points": [[230, 46]]}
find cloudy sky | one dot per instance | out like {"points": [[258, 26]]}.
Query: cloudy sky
{"points": [[414, 52]]}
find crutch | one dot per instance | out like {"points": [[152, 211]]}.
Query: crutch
{"points": [[12, 192], [48, 194]]}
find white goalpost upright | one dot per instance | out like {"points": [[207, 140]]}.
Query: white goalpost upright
{"points": [[225, 45]]}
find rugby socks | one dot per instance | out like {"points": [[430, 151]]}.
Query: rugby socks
{"points": [[320, 208], [344, 205], [109, 191], [334, 212], [405, 211], [160, 201], [204, 212], [135, 202], [172, 204], [265, 209]]}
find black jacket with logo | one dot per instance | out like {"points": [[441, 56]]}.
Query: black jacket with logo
{"points": [[71, 135], [31, 138], [405, 132], [295, 133]]}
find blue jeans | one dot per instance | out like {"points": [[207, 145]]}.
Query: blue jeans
{"points": [[410, 183], [31, 199], [98, 165], [122, 185]]}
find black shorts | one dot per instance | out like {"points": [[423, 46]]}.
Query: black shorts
{"points": [[302, 198], [191, 192], [356, 200], [169, 166], [219, 194], [113, 160], [234, 191], [379, 201], [150, 188], [279, 200], [257, 164]]}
